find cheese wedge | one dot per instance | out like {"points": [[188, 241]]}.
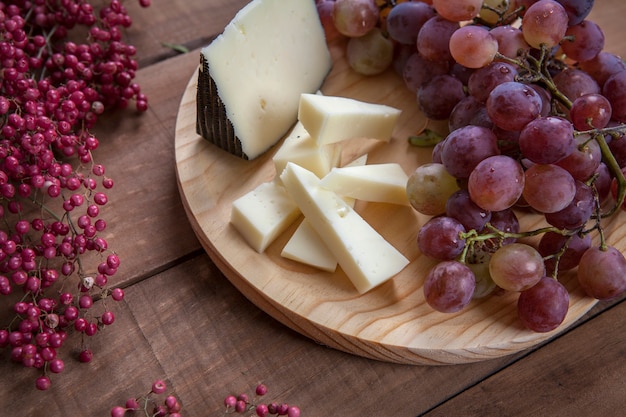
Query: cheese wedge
{"points": [[251, 76], [307, 247], [299, 147], [364, 255], [262, 214], [383, 183], [331, 119]]}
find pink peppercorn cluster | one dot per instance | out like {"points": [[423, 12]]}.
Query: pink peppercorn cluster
{"points": [[242, 404], [149, 404], [62, 64]]}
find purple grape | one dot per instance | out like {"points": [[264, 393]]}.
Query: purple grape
{"points": [[440, 238], [449, 286], [543, 307]]}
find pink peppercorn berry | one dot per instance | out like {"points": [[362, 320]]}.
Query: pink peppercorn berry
{"points": [[159, 386], [118, 411], [261, 390], [85, 356], [230, 401]]}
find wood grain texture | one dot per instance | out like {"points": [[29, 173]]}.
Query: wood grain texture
{"points": [[392, 322], [562, 381]]}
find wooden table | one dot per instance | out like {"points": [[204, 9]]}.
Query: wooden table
{"points": [[183, 322]]}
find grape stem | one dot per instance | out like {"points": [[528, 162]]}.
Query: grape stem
{"points": [[613, 165], [426, 139], [472, 237]]}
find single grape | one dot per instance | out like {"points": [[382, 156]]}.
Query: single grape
{"points": [[516, 267], [458, 10], [433, 39], [436, 154], [462, 73], [440, 238], [578, 212], [552, 244], [464, 148], [496, 183], [547, 140], [511, 42], [543, 307], [544, 23], [603, 66], [438, 96], [449, 286], [484, 80], [602, 272], [591, 111], [512, 105], [355, 18], [584, 161], [574, 83], [577, 10], [548, 188], [461, 207], [615, 91], [406, 19], [429, 187], [418, 71], [584, 41], [546, 99], [473, 46], [505, 221], [469, 111], [371, 53]]}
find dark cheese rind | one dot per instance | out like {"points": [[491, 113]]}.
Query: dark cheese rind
{"points": [[211, 120]]}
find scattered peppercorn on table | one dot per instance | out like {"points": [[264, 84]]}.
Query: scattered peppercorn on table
{"points": [[183, 321]]}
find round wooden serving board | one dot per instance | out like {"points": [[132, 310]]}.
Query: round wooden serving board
{"points": [[390, 323]]}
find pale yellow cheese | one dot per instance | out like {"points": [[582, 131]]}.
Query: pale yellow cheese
{"points": [[262, 214], [383, 183], [270, 53], [299, 147], [307, 247], [364, 255], [331, 119]]}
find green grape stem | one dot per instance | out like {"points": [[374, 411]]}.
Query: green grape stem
{"points": [[473, 236], [611, 162], [426, 139]]}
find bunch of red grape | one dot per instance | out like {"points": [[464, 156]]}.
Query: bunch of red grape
{"points": [[63, 64], [536, 111]]}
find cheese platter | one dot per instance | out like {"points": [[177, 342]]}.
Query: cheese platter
{"points": [[391, 322]]}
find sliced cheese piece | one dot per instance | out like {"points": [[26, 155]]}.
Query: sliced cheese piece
{"points": [[365, 256], [307, 247], [263, 214], [331, 119], [383, 183], [251, 76], [299, 147]]}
